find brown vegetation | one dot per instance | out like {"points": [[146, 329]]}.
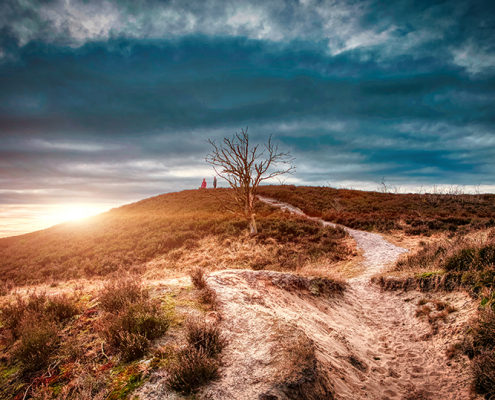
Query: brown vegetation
{"points": [[198, 362], [132, 318], [415, 214], [84, 346], [461, 261], [128, 237]]}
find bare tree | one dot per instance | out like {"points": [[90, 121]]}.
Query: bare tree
{"points": [[244, 168]]}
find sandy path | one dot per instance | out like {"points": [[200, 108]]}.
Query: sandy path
{"points": [[370, 344]]}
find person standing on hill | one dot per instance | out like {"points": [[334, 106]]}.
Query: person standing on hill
{"points": [[203, 184], [214, 182]]}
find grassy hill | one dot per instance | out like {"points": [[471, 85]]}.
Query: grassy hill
{"points": [[88, 339], [129, 236], [415, 214]]}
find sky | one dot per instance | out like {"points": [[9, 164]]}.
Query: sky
{"points": [[103, 103]]}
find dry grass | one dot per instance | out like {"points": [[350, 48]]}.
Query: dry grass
{"points": [[415, 214], [192, 369], [49, 353], [450, 262], [323, 251], [168, 230]]}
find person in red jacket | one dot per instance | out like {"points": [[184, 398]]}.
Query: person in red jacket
{"points": [[203, 184]]}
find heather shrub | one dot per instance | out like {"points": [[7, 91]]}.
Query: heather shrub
{"points": [[133, 318], [197, 278], [480, 346], [415, 214], [145, 318], [205, 294], [474, 258], [61, 307], [208, 297], [132, 346], [326, 286], [448, 264], [484, 372], [192, 369], [6, 287], [118, 293], [38, 338], [204, 336]]}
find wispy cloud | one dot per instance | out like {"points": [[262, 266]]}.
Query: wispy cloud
{"points": [[112, 101]]}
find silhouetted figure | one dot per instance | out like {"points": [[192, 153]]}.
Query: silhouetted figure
{"points": [[203, 184], [214, 182]]}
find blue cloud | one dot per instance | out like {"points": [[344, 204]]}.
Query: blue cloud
{"points": [[406, 90]]}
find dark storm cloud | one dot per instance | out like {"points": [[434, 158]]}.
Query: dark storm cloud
{"points": [[107, 100], [109, 105], [455, 32]]}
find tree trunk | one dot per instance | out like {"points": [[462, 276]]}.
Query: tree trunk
{"points": [[252, 225]]}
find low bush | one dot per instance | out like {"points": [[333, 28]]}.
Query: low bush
{"points": [[415, 214], [471, 258], [326, 286], [205, 294], [204, 336], [61, 307], [132, 319], [424, 310], [6, 287], [479, 344], [208, 297], [484, 372], [38, 338], [57, 307], [132, 346], [192, 369], [120, 292], [131, 329], [197, 278], [447, 264]]}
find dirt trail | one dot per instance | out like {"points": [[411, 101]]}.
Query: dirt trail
{"points": [[369, 344]]}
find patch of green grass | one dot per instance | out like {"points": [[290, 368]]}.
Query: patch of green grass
{"points": [[125, 381], [424, 275], [7, 372]]}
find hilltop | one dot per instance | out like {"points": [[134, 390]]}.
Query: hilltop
{"points": [[130, 236]]}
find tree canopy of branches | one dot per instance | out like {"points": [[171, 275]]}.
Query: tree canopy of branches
{"points": [[244, 168]]}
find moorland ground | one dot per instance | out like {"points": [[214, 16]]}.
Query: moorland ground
{"points": [[94, 308]]}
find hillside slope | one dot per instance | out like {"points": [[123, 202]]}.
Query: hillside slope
{"points": [[415, 214], [130, 236]]}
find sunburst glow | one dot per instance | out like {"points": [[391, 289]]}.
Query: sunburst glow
{"points": [[70, 213]]}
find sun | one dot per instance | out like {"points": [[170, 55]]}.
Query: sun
{"points": [[68, 212], [73, 213]]}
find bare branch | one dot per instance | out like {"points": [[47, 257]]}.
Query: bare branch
{"points": [[244, 168]]}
